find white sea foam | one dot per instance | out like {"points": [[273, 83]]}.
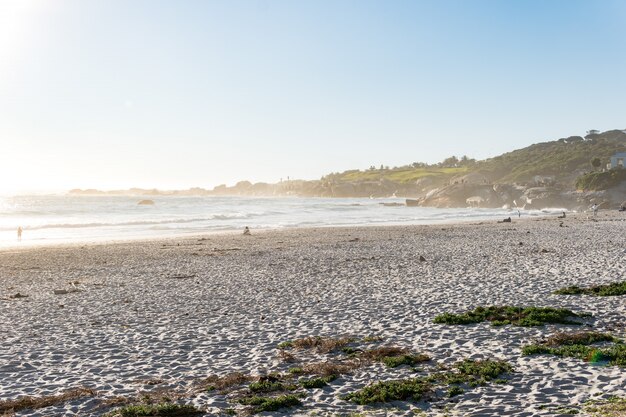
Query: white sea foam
{"points": [[88, 218]]}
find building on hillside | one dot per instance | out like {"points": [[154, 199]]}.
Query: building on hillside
{"points": [[618, 160]]}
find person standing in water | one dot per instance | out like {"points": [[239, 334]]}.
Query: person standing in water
{"points": [[19, 233]]}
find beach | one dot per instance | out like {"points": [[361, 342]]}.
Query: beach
{"points": [[136, 317]]}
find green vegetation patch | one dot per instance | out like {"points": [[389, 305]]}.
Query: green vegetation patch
{"points": [[261, 404], [411, 360], [581, 346], [474, 373], [519, 316], [607, 290], [270, 386], [319, 343], [454, 391], [156, 410], [601, 180], [296, 370], [372, 339], [319, 382], [470, 372], [484, 369], [612, 407], [414, 389]]}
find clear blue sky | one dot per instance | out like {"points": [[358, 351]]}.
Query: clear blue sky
{"points": [[173, 94]]}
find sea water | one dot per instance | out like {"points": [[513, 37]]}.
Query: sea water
{"points": [[70, 218]]}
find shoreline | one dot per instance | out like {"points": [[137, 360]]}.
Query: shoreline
{"points": [[26, 245], [174, 311]]}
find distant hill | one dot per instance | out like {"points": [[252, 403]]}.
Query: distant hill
{"points": [[541, 175], [565, 159]]}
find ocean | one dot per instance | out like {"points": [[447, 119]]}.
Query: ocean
{"points": [[50, 219]]}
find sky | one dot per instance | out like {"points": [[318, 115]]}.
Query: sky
{"points": [[175, 94]]}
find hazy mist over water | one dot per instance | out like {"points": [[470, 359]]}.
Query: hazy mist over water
{"points": [[56, 219]]}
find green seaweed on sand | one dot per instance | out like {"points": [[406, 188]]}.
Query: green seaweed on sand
{"points": [[393, 356], [583, 346], [611, 407], [414, 389], [470, 372], [519, 316], [606, 290], [261, 404], [395, 361], [319, 382], [156, 410], [270, 386], [483, 369]]}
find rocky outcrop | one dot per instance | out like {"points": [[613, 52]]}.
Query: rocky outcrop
{"points": [[457, 195]]}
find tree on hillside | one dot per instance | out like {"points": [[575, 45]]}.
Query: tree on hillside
{"points": [[450, 162], [596, 163]]}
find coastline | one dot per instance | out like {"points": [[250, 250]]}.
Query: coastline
{"points": [[179, 309], [191, 234]]}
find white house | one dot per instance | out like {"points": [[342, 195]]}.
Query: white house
{"points": [[618, 160]]}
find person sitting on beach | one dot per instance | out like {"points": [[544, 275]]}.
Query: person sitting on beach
{"points": [[19, 233], [563, 216], [246, 231]]}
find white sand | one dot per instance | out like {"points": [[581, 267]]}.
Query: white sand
{"points": [[132, 321]]}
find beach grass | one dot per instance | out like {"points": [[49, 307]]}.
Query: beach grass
{"points": [[518, 316]]}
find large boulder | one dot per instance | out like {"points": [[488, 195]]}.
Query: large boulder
{"points": [[457, 195]]}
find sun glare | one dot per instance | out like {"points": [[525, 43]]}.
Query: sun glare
{"points": [[16, 18]]}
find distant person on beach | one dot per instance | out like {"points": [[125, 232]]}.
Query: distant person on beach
{"points": [[19, 233], [519, 214], [595, 209], [246, 231]]}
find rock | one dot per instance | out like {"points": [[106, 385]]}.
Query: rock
{"points": [[146, 203], [62, 292], [18, 295], [412, 203], [422, 259]]}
